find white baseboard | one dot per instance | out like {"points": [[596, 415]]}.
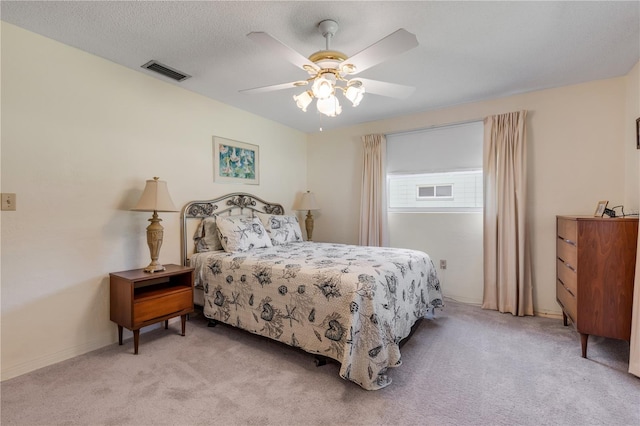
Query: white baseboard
{"points": [[9, 372], [467, 301], [49, 359]]}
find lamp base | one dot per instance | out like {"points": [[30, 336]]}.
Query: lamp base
{"points": [[154, 240], [308, 222], [154, 267]]}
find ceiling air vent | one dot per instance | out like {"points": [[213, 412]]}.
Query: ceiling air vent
{"points": [[166, 71]]}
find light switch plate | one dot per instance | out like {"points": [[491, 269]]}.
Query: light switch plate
{"points": [[8, 201]]}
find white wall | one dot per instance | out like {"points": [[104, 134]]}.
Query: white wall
{"points": [[454, 237], [80, 135], [577, 144]]}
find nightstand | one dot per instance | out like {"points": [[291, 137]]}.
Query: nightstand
{"points": [[139, 298]]}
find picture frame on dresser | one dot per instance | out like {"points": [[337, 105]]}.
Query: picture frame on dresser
{"points": [[600, 208], [235, 162]]}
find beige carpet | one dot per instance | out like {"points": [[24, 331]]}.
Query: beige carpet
{"points": [[465, 367]]}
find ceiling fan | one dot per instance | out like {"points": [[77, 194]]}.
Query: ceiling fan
{"points": [[330, 71]]}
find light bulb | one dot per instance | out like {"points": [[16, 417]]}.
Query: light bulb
{"points": [[323, 86]]}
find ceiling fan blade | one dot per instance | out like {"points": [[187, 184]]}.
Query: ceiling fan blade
{"points": [[273, 88], [383, 88], [281, 49], [392, 45]]}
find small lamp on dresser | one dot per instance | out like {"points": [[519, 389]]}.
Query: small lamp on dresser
{"points": [[155, 198], [308, 203]]}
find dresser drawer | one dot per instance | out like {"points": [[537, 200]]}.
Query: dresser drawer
{"points": [[155, 307], [567, 300], [568, 253], [568, 229], [568, 277]]}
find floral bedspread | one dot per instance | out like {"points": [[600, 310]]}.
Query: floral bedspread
{"points": [[353, 304]]}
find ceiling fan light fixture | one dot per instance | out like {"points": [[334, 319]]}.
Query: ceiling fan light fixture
{"points": [[328, 69], [303, 100], [329, 106]]}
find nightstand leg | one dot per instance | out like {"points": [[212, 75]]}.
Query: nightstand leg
{"points": [[564, 319], [120, 335], [583, 340], [183, 319], [136, 340], [166, 324]]}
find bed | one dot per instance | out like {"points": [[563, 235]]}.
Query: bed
{"points": [[352, 304]]}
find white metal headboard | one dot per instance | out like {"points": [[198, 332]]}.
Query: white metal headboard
{"points": [[230, 204]]}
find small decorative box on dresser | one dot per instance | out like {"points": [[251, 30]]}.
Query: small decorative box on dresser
{"points": [[140, 298], [595, 269]]}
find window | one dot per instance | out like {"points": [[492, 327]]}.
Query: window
{"points": [[455, 191], [437, 169], [432, 192]]}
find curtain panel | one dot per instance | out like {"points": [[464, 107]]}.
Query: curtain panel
{"points": [[373, 210], [507, 268]]}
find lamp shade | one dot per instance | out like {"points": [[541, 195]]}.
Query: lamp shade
{"points": [[155, 197], [308, 202]]}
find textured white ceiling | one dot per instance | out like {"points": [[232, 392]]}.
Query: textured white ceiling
{"points": [[468, 51]]}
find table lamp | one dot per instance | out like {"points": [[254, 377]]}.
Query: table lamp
{"points": [[155, 198], [308, 203]]}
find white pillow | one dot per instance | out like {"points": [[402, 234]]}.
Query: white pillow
{"points": [[281, 229], [206, 236], [242, 233]]}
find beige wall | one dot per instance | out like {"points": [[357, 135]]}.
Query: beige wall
{"points": [[80, 135], [577, 145]]}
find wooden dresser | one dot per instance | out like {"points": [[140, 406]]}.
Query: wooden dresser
{"points": [[595, 270]]}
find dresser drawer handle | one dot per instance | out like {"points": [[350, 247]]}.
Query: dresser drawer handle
{"points": [[566, 288], [567, 264]]}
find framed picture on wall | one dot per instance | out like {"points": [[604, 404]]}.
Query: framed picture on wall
{"points": [[638, 133], [600, 208], [235, 162]]}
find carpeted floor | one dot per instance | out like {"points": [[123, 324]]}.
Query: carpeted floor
{"points": [[465, 367]]}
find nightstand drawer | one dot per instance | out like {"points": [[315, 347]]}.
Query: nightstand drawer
{"points": [[568, 301], [155, 307]]}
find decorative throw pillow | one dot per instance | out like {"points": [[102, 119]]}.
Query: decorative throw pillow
{"points": [[282, 229], [239, 233], [206, 236]]}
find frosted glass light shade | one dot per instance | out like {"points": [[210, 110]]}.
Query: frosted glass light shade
{"points": [[303, 100], [323, 87], [329, 106], [354, 93]]}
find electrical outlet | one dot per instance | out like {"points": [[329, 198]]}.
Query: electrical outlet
{"points": [[8, 201], [443, 264]]}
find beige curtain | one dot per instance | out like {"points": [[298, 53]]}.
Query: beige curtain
{"points": [[634, 355], [507, 269], [372, 201]]}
